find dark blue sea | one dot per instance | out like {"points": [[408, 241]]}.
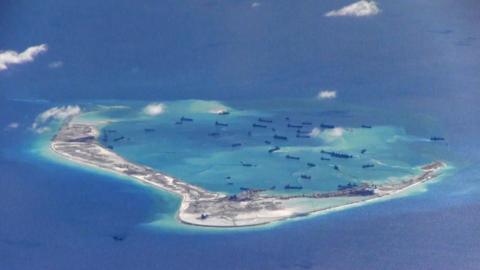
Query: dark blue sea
{"points": [[411, 72]]}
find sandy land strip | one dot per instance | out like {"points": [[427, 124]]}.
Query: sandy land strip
{"points": [[77, 142]]}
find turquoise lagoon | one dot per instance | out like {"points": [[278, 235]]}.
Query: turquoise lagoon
{"points": [[190, 151]]}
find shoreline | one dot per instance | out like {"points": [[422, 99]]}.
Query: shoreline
{"points": [[77, 142]]}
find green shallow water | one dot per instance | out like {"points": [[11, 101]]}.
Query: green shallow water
{"points": [[188, 152]]}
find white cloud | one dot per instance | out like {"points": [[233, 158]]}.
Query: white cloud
{"points": [[255, 4], [357, 9], [154, 109], [335, 132], [315, 132], [327, 94], [14, 58], [55, 113], [327, 134], [13, 125], [56, 64]]}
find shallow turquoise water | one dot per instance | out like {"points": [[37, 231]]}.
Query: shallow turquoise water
{"points": [[188, 150]]}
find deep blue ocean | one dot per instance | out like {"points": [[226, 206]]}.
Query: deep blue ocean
{"points": [[413, 71]]}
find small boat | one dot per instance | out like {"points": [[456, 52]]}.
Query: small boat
{"points": [[309, 164], [255, 125], [268, 142], [323, 158], [292, 157], [223, 112], [288, 186], [306, 123], [221, 124], [437, 138], [363, 151], [186, 119], [367, 166], [306, 177], [119, 138], [366, 126], [178, 123], [263, 120], [294, 126], [213, 134], [327, 126], [303, 136], [244, 164], [347, 186], [236, 145], [276, 148], [336, 168], [278, 137], [149, 130], [299, 131]]}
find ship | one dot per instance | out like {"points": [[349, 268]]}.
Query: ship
{"points": [[223, 113], [347, 186], [366, 126], [437, 138], [327, 126], [276, 148], [306, 177], [299, 131], [236, 145], [263, 120], [309, 164], [288, 186], [294, 126], [119, 138], [367, 166], [105, 137], [244, 164], [255, 125], [292, 157], [186, 119], [278, 137], [336, 154], [221, 124]]}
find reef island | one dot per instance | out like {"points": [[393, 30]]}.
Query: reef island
{"points": [[78, 142]]}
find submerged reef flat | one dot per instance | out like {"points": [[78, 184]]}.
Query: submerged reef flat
{"points": [[78, 142]]}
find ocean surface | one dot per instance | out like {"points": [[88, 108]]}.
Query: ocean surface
{"points": [[410, 72]]}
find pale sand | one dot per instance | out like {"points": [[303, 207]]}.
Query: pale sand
{"points": [[219, 211]]}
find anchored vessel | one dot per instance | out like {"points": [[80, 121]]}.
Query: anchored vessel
{"points": [[78, 142]]}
